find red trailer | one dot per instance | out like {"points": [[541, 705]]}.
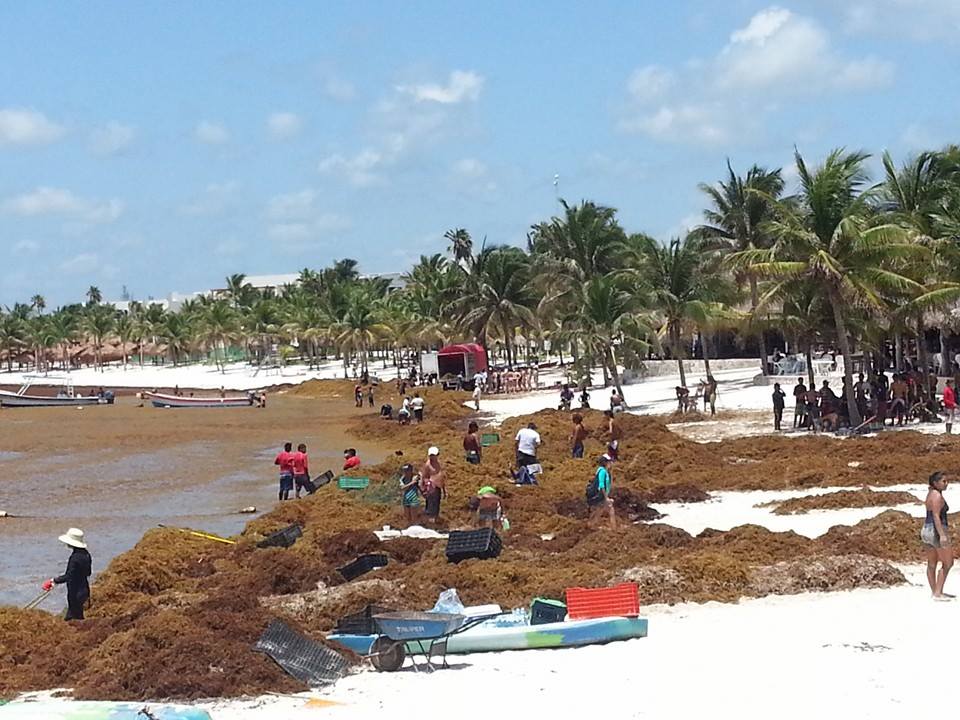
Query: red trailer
{"points": [[463, 359]]}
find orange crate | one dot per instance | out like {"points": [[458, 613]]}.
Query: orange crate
{"points": [[618, 601]]}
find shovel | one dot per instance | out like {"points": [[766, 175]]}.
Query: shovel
{"points": [[205, 536], [37, 600]]}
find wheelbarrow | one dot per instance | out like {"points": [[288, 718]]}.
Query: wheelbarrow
{"points": [[416, 633]]}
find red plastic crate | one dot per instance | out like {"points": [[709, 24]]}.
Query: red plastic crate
{"points": [[618, 601]]}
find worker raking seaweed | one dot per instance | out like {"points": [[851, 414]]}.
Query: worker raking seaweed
{"points": [[75, 576]]}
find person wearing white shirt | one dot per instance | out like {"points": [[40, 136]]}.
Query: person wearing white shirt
{"points": [[527, 442]]}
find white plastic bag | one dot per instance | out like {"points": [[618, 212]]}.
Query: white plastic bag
{"points": [[449, 602]]}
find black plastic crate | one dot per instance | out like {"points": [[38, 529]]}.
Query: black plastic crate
{"points": [[362, 565], [322, 480], [282, 538], [361, 623], [463, 544], [543, 611]]}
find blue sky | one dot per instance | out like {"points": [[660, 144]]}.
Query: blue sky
{"points": [[162, 146]]}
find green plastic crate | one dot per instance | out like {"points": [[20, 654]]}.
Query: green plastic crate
{"points": [[488, 439], [348, 483]]}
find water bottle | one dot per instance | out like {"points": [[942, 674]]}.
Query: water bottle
{"points": [[505, 524]]}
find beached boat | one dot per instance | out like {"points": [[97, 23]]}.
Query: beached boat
{"points": [[162, 400], [65, 396], [487, 638]]}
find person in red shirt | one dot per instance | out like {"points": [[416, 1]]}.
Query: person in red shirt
{"points": [[949, 404], [301, 471], [350, 459], [285, 460]]}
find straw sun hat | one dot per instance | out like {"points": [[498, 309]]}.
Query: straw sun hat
{"points": [[74, 538]]}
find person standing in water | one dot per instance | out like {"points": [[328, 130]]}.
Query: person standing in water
{"points": [[284, 460], [75, 576], [935, 536]]}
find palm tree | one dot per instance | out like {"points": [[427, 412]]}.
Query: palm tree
{"points": [[39, 303], [741, 210], [12, 336], [502, 297], [125, 330], [685, 287], [239, 291], [828, 239], [219, 325], [64, 329], [461, 245], [99, 323], [94, 296], [177, 332], [607, 316], [361, 325]]}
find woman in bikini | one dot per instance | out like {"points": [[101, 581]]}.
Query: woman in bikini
{"points": [[935, 536]]}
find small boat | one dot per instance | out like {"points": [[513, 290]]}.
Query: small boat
{"points": [[65, 397], [55, 709], [162, 400], [490, 638]]}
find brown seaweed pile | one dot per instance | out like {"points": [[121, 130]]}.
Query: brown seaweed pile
{"points": [[862, 498], [175, 616]]}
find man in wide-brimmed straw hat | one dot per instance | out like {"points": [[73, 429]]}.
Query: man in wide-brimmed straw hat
{"points": [[77, 572]]}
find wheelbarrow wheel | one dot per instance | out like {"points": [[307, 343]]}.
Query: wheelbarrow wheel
{"points": [[387, 655]]}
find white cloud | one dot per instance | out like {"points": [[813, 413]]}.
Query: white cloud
{"points": [[360, 170], [112, 139], [309, 233], [213, 200], [918, 19], [650, 83], [284, 125], [20, 126], [82, 264], [776, 56], [339, 89], [25, 247], [55, 201], [292, 206], [211, 133], [462, 86], [470, 168], [780, 50]]}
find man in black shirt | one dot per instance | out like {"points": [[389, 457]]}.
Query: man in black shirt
{"points": [[800, 400]]}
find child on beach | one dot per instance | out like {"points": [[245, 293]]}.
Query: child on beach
{"points": [[578, 435], [409, 493], [778, 404], [598, 492]]}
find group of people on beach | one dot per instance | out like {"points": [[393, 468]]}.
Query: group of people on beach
{"points": [[908, 397], [706, 391]]}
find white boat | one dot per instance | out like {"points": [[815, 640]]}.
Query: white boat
{"points": [[162, 400], [65, 397]]}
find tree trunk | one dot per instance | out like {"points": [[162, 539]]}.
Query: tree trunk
{"points": [[705, 346], [809, 350], [944, 353], [761, 340], [898, 352], [616, 374], [923, 364], [675, 349], [844, 342]]}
